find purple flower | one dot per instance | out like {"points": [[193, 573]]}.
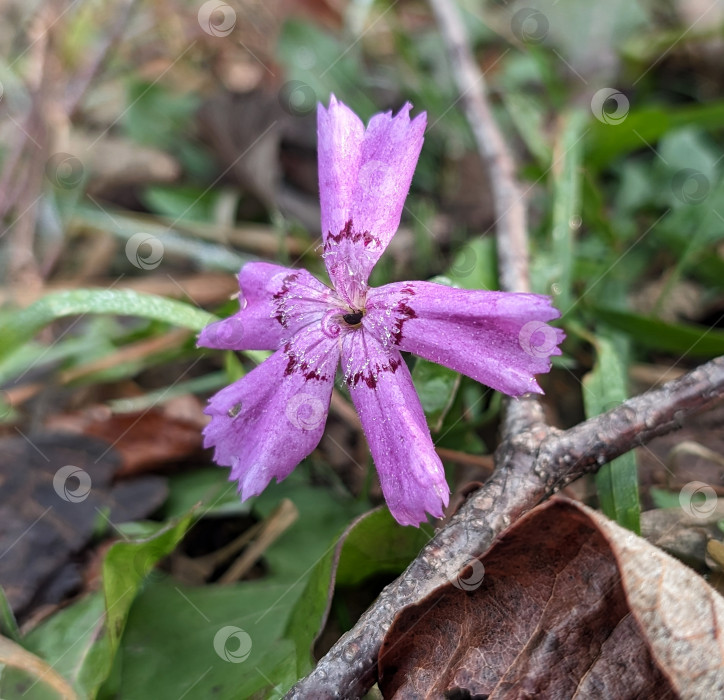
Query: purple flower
{"points": [[263, 425]]}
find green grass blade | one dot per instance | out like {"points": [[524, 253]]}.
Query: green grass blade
{"points": [[567, 174], [680, 338], [19, 327], [617, 482]]}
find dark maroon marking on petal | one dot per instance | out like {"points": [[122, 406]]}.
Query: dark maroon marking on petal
{"points": [[369, 376], [403, 312], [348, 233], [294, 365], [280, 298], [291, 366]]}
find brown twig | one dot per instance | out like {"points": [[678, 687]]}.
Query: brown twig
{"points": [[284, 515], [533, 460], [484, 462]]}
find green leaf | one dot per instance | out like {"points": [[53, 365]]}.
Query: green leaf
{"points": [[374, 544], [310, 610], [685, 148], [605, 387], [436, 386], [81, 640], [605, 142], [182, 203], [317, 63], [24, 324], [475, 265], [8, 624], [665, 499], [528, 114], [378, 544], [567, 174], [661, 335], [209, 487], [74, 643], [321, 514], [183, 641], [168, 646], [127, 564], [156, 116]]}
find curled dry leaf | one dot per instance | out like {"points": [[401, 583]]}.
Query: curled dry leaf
{"points": [[565, 604]]}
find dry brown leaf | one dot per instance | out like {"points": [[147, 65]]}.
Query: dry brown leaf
{"points": [[566, 604], [145, 440], [55, 490]]}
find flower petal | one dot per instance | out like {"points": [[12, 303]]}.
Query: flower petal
{"points": [[499, 339], [275, 301], [263, 425], [411, 474], [364, 177]]}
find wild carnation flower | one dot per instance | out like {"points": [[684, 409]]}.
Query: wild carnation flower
{"points": [[263, 425]]}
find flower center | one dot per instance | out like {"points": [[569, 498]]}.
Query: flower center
{"points": [[353, 319]]}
